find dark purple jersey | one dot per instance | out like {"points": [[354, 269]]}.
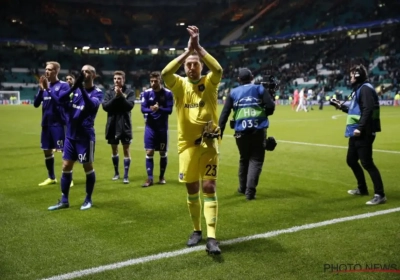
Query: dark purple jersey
{"points": [[52, 113], [81, 113], [157, 120]]}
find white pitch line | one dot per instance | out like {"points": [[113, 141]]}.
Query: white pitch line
{"points": [[313, 144], [333, 146], [334, 117], [131, 262]]}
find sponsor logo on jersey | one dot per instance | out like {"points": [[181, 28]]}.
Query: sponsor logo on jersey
{"points": [[78, 107], [195, 105]]}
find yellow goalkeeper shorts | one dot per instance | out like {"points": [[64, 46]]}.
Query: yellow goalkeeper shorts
{"points": [[199, 162]]}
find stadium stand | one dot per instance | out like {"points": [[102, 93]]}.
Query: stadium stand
{"points": [[303, 47]]}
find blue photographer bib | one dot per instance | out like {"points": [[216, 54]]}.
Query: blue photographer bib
{"points": [[248, 110], [354, 113]]}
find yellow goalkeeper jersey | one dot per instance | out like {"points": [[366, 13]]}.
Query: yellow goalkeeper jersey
{"points": [[195, 104]]}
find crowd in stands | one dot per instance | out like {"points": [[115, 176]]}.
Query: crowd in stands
{"points": [[323, 64]]}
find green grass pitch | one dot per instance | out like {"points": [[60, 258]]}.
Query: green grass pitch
{"points": [[300, 184]]}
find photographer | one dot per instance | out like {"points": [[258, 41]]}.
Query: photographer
{"points": [[251, 104], [362, 124]]}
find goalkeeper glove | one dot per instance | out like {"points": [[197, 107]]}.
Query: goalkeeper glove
{"points": [[211, 131]]}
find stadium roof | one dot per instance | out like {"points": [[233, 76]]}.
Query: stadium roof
{"points": [[143, 3]]}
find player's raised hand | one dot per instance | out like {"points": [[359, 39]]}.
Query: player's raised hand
{"points": [[41, 79], [45, 83], [194, 36], [79, 80]]}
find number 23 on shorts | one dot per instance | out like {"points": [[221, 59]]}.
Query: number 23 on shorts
{"points": [[211, 170]]}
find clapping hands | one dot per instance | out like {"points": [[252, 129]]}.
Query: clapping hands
{"points": [[79, 81], [81, 78], [118, 91], [194, 40], [43, 83], [155, 107]]}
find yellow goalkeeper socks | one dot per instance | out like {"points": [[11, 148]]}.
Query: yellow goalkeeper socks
{"points": [[194, 204], [211, 213]]}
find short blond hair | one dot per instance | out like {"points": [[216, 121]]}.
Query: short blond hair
{"points": [[55, 64]]}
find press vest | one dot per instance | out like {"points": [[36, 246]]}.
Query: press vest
{"points": [[354, 113], [248, 110]]}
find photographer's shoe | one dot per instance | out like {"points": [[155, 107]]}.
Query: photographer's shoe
{"points": [[250, 194], [241, 191], [357, 192], [377, 199]]}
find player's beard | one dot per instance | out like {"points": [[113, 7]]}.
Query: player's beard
{"points": [[193, 76]]}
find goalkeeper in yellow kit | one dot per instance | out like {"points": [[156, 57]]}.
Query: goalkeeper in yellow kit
{"points": [[198, 135]]}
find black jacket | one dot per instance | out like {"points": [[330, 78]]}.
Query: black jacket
{"points": [[369, 106], [119, 113]]}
